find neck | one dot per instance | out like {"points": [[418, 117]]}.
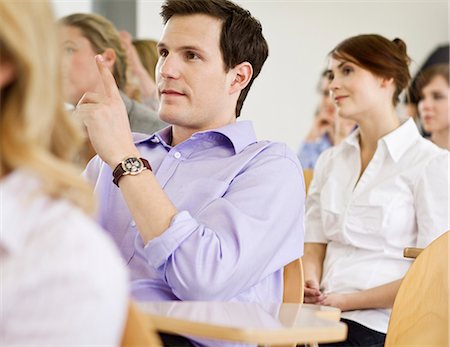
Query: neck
{"points": [[373, 127], [441, 138]]}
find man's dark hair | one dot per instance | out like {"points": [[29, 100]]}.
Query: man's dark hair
{"points": [[241, 38]]}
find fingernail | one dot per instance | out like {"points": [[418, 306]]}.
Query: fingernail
{"points": [[99, 57]]}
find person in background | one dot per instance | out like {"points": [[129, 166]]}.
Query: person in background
{"points": [[433, 104], [193, 221], [328, 128], [62, 280], [440, 55], [142, 56], [85, 35], [382, 189]]}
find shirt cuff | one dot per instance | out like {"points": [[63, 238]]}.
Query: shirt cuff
{"points": [[159, 249]]}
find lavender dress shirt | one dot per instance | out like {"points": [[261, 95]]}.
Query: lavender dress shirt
{"points": [[240, 220]]}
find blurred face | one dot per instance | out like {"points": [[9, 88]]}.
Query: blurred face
{"points": [[327, 108], [433, 105], [192, 83], [354, 90], [80, 72]]}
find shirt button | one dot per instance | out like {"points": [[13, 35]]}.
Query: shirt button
{"points": [[155, 140], [177, 155], [133, 223]]}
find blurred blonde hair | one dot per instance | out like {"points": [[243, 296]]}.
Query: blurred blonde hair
{"points": [[102, 34], [148, 54], [36, 133]]}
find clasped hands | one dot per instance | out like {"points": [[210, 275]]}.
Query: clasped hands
{"points": [[313, 295]]}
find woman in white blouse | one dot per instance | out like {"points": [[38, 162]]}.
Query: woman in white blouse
{"points": [[382, 189], [433, 91], [62, 281]]}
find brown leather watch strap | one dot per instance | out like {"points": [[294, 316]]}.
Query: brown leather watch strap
{"points": [[121, 170]]}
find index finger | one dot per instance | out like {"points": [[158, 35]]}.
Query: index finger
{"points": [[109, 83]]}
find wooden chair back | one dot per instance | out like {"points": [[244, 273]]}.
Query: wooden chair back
{"points": [[293, 282], [308, 176], [421, 308], [138, 330]]}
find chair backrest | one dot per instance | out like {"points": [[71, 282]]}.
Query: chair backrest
{"points": [[293, 282], [308, 176], [138, 330], [421, 308]]}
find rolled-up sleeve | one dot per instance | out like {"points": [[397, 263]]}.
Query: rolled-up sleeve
{"points": [[236, 240]]}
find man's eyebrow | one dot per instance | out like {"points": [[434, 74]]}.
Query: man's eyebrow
{"points": [[182, 48], [69, 41]]}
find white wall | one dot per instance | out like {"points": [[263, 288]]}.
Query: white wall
{"points": [[300, 34], [65, 7]]}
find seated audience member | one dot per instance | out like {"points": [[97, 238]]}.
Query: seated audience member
{"points": [[433, 92], [199, 225], [382, 189], [85, 35], [63, 283], [328, 128], [440, 55], [142, 56]]}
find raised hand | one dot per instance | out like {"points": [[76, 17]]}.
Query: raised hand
{"points": [[106, 119]]}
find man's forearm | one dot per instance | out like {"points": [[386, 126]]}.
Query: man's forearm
{"points": [[149, 205]]}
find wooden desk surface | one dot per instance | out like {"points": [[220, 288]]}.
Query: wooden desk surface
{"points": [[248, 322]]}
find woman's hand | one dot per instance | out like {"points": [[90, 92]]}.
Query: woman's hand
{"points": [[313, 295]]}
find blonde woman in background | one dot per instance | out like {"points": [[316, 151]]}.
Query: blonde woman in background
{"points": [[63, 282], [142, 56], [85, 35], [433, 91]]}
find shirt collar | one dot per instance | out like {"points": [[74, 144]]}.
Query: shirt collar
{"points": [[240, 134], [399, 140], [353, 138]]}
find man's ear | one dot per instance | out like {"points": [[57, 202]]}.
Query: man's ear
{"points": [[109, 57], [241, 76], [7, 72]]}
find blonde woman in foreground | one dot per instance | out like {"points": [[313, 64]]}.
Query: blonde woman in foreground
{"points": [[63, 283]]}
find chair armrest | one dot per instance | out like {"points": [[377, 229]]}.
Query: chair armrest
{"points": [[411, 252]]}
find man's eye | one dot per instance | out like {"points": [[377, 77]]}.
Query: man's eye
{"points": [[191, 55], [163, 53], [69, 50]]}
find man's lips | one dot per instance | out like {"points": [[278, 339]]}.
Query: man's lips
{"points": [[171, 92]]}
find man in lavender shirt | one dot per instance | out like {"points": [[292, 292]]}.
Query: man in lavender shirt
{"points": [[219, 213]]}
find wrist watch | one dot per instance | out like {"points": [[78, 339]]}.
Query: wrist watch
{"points": [[130, 166]]}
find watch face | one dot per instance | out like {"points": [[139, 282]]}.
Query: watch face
{"points": [[132, 165]]}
